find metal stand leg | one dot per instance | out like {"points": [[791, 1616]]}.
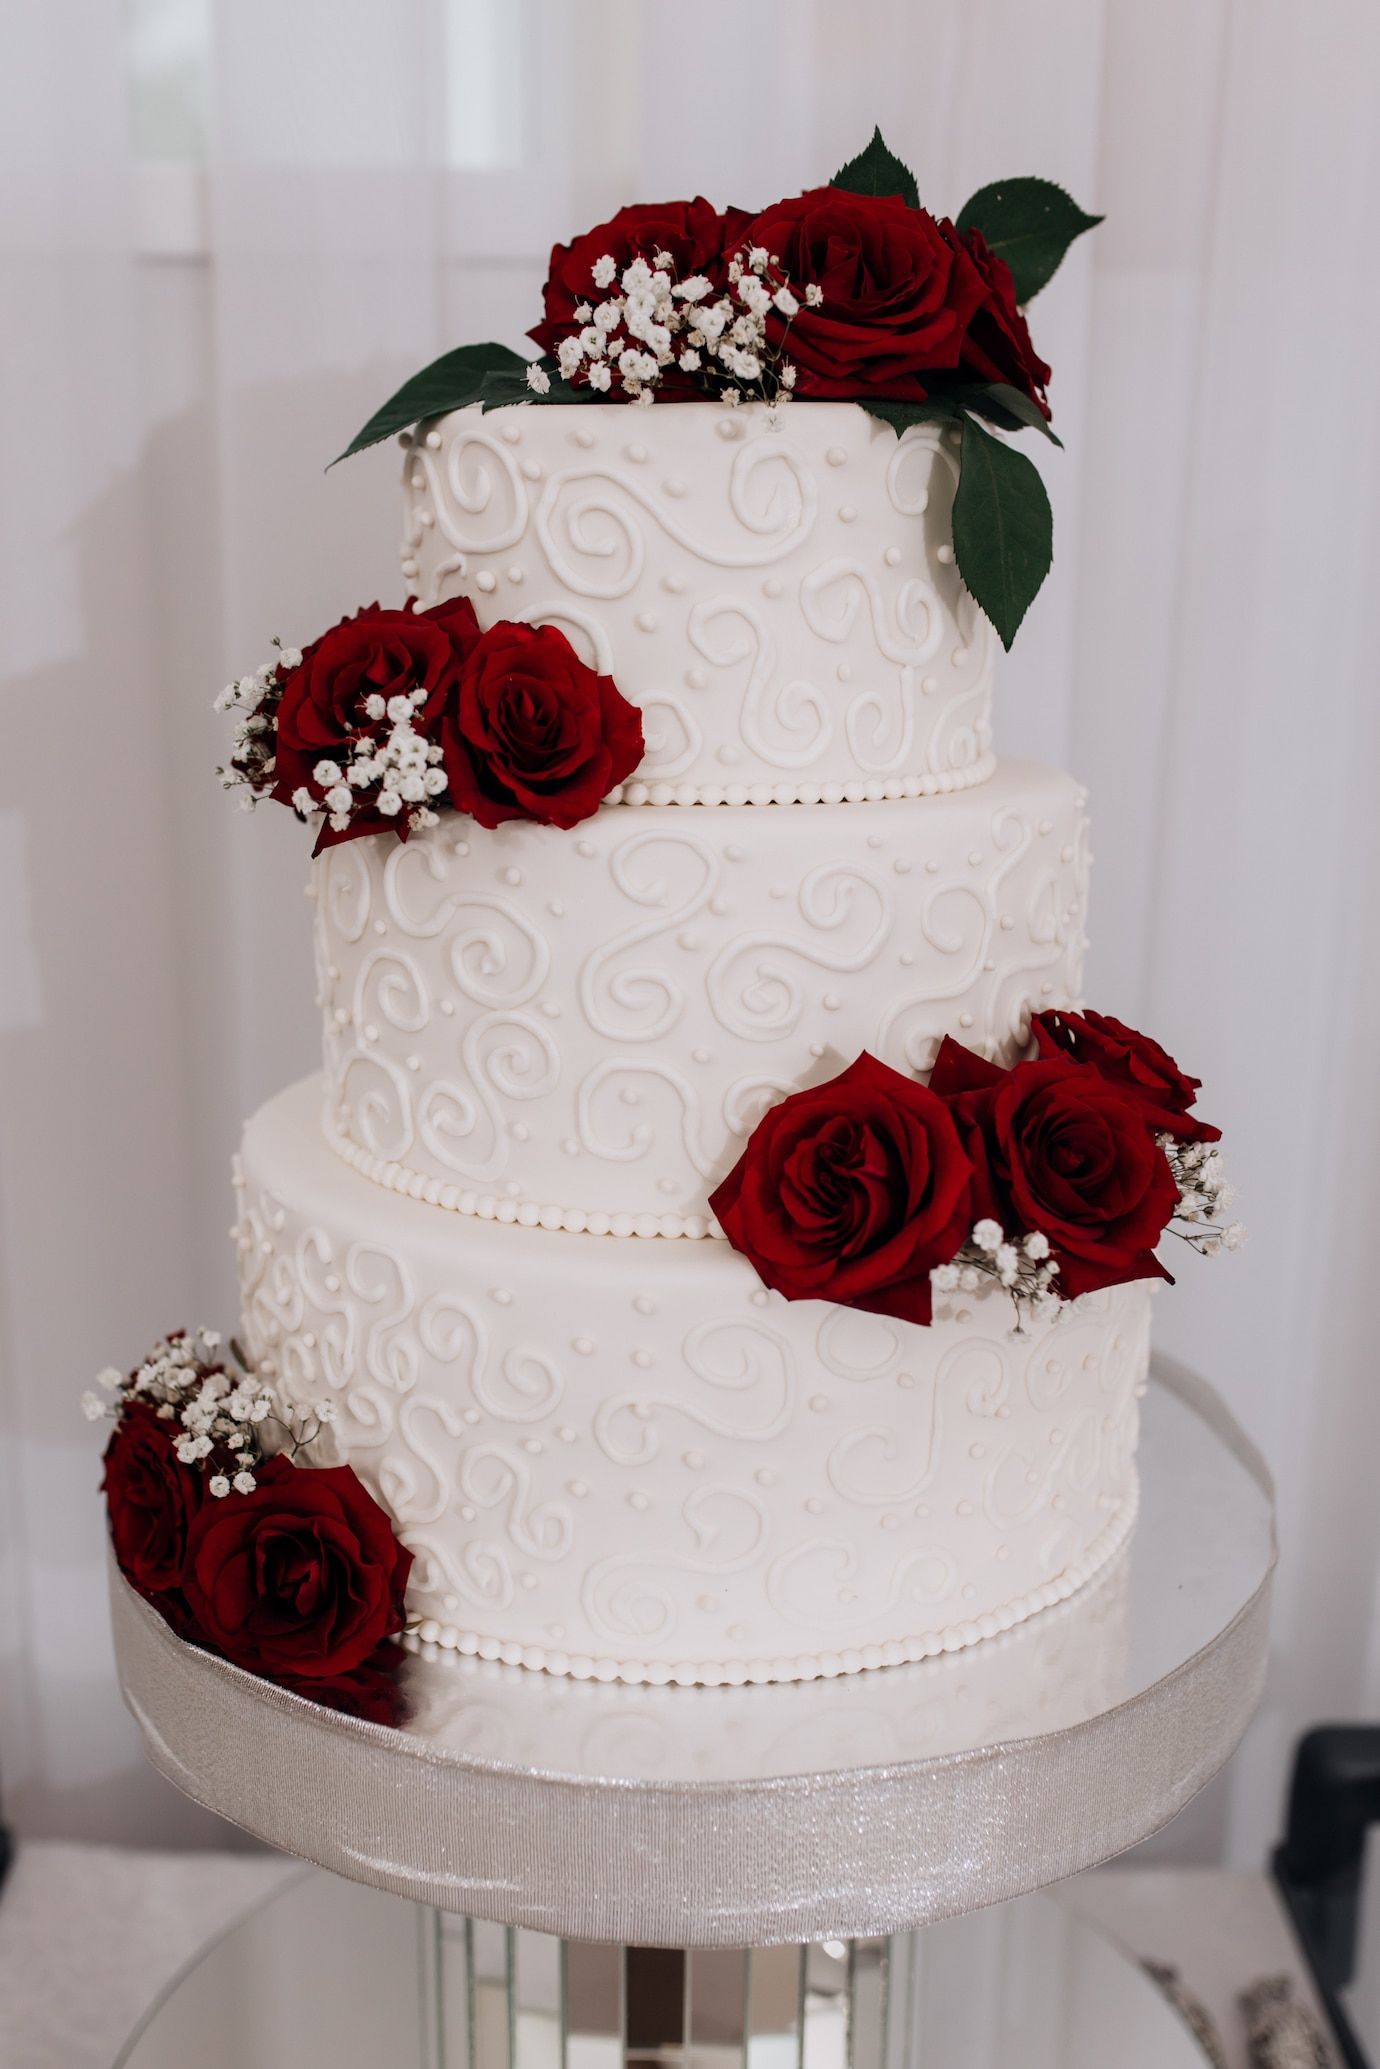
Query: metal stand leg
{"points": [[431, 2009]]}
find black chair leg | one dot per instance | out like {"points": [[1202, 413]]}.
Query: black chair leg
{"points": [[1334, 1799]]}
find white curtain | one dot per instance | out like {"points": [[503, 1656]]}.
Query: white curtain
{"points": [[182, 347]]}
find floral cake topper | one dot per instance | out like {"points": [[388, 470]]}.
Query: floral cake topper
{"points": [[848, 292]]}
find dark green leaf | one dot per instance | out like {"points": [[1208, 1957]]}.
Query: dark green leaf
{"points": [[878, 171], [935, 409], [509, 384], [1030, 223], [1009, 408], [1003, 530], [451, 381]]}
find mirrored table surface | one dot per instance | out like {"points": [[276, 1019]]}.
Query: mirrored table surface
{"points": [[332, 1976]]}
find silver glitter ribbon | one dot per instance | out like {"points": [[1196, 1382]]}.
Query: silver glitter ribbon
{"points": [[850, 1853]]}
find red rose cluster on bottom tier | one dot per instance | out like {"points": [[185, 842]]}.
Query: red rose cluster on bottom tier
{"points": [[289, 1570], [1051, 1179]]}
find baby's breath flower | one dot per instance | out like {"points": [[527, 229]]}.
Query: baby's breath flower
{"points": [[651, 321], [220, 1411]]}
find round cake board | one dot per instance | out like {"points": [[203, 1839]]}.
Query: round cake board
{"points": [[741, 1817]]}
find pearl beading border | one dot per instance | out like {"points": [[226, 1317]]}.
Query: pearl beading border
{"points": [[870, 790], [431, 1636], [439, 1192]]}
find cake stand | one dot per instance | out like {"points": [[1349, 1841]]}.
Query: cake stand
{"points": [[851, 1811]]}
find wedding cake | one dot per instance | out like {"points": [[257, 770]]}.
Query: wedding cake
{"points": [[717, 1239]]}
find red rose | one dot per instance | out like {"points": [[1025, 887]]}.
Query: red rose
{"points": [[531, 733], [1061, 1152], [324, 709], [693, 232], [370, 1691], [152, 1499], [301, 1580], [851, 1192], [1134, 1062], [898, 291], [997, 346]]}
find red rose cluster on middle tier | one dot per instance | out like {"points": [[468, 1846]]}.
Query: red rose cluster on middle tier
{"points": [[1051, 1179]]}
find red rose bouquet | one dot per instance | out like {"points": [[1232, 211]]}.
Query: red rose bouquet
{"points": [[1049, 1180], [289, 1570], [393, 713]]}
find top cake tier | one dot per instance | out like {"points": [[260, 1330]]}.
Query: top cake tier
{"points": [[775, 589]]}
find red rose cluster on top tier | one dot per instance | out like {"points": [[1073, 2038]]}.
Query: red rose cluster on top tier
{"points": [[1051, 1179], [850, 292], [394, 712], [831, 294]]}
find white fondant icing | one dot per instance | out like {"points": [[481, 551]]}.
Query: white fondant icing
{"points": [[773, 592], [689, 1479], [580, 1030], [1053, 1672]]}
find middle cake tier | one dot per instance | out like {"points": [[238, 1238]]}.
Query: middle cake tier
{"points": [[579, 1030]]}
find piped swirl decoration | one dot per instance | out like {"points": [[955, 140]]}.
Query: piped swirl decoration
{"points": [[579, 1031], [775, 594]]}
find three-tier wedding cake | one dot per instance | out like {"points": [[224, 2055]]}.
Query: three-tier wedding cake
{"points": [[718, 1240], [486, 1233]]}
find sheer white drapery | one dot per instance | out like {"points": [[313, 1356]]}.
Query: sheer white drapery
{"points": [[382, 182]]}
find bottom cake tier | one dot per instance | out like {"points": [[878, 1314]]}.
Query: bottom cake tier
{"points": [[621, 1457]]}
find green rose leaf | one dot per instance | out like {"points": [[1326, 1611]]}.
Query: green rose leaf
{"points": [[1011, 409], [451, 381], [1003, 529], [506, 385], [1029, 223], [878, 171], [999, 404], [935, 409]]}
